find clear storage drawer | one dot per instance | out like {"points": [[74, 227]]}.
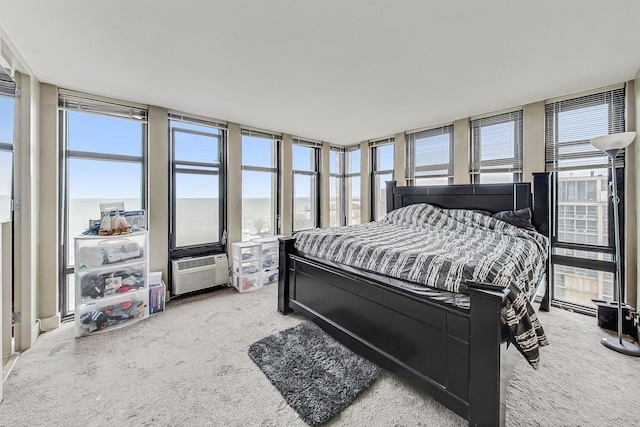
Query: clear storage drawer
{"points": [[111, 313]]}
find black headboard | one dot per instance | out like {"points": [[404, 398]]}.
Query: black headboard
{"points": [[486, 197]]}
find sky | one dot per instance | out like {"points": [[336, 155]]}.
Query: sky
{"points": [[6, 158]]}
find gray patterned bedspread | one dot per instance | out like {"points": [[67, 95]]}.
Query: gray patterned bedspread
{"points": [[443, 248]]}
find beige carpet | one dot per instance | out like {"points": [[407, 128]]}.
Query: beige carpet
{"points": [[188, 366]]}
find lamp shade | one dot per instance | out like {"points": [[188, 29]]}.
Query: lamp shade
{"points": [[614, 141]]}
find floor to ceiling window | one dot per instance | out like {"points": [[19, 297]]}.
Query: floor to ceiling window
{"points": [[104, 149], [306, 185], [352, 185], [197, 186], [430, 156], [336, 187], [260, 207], [583, 247], [7, 106], [496, 148], [381, 172]]}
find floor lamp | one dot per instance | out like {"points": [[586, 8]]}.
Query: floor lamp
{"points": [[612, 144]]}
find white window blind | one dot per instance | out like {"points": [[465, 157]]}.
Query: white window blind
{"points": [[197, 121], [571, 123], [77, 102], [430, 153], [496, 143], [260, 134], [7, 86], [382, 141], [307, 143]]}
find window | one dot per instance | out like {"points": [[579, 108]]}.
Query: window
{"points": [[583, 236], [496, 148], [336, 187], [430, 156], [306, 185], [7, 106], [352, 185], [381, 172], [104, 149], [260, 213], [197, 186]]}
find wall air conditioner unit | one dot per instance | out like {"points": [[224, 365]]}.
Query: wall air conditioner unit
{"points": [[196, 273]]}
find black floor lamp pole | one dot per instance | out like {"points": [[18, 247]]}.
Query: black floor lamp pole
{"points": [[618, 344]]}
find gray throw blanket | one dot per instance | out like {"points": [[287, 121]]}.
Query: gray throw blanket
{"points": [[443, 248]]}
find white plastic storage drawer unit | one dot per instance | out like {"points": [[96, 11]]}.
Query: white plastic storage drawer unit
{"points": [[111, 281], [247, 266]]}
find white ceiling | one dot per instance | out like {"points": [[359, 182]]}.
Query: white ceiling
{"points": [[341, 71]]}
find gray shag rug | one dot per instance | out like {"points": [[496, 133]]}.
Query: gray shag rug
{"points": [[317, 376]]}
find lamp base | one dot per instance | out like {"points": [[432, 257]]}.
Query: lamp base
{"points": [[621, 346]]}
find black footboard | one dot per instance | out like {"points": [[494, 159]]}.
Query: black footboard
{"points": [[458, 356]]}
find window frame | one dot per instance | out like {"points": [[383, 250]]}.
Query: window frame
{"points": [[347, 178], [341, 184], [567, 250], [476, 169], [375, 172], [412, 170], [7, 90], [190, 167], [65, 270], [315, 174], [276, 140]]}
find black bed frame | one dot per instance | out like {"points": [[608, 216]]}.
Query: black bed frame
{"points": [[457, 355]]}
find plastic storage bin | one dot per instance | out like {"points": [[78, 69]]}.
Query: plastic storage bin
{"points": [[270, 258], [112, 281], [247, 283], [111, 313], [247, 266], [246, 251]]}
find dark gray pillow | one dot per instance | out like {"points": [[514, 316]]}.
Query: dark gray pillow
{"points": [[520, 218]]}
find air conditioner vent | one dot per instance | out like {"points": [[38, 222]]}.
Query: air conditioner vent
{"points": [[196, 262], [194, 274]]}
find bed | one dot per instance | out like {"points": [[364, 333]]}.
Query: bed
{"points": [[455, 346]]}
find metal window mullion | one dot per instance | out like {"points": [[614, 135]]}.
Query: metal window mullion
{"points": [[195, 171], [197, 132], [197, 164], [259, 169], [104, 156], [588, 264], [305, 172]]}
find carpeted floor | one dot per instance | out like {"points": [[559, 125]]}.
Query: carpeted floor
{"points": [[188, 366]]}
